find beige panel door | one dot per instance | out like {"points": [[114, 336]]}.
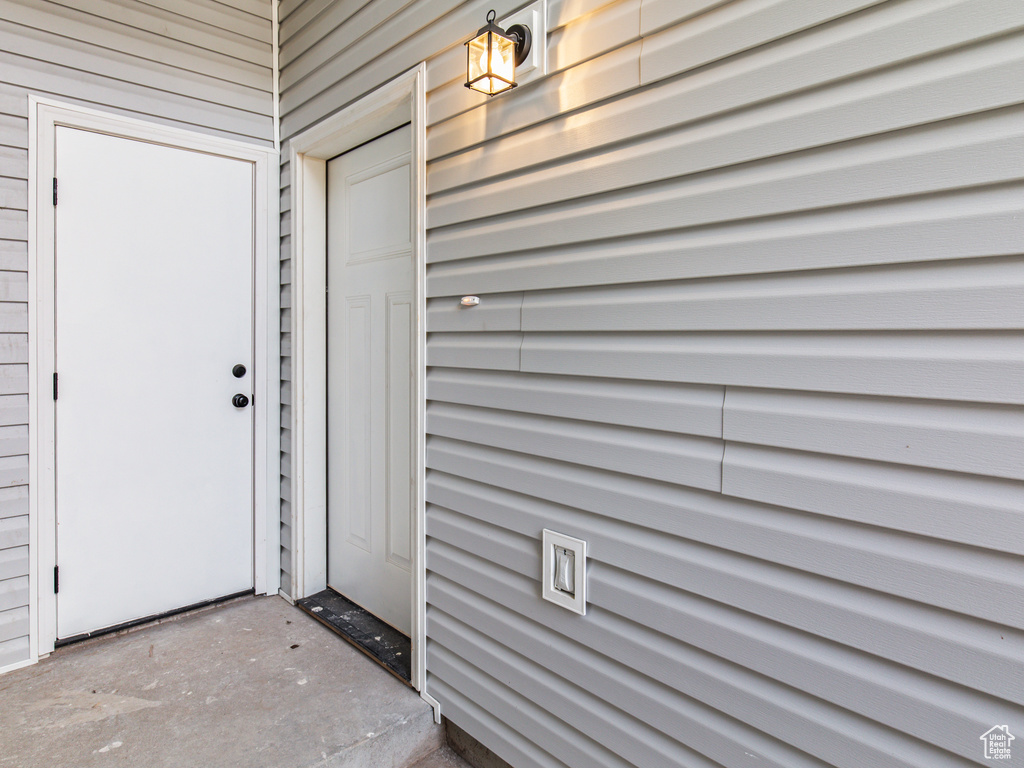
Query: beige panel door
{"points": [[370, 318]]}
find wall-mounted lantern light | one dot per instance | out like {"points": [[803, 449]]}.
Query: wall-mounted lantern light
{"points": [[492, 56]]}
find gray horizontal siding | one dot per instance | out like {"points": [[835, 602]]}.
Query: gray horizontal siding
{"points": [[688, 408], [836, 549], [970, 438], [751, 284], [965, 224], [802, 240], [14, 554], [931, 160], [602, 714], [948, 295], [203, 66], [286, 385], [285, 302], [14, 522], [197, 64], [805, 631], [964, 508], [685, 459], [967, 365]]}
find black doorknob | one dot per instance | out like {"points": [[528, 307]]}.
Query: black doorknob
{"points": [[239, 401], [238, 371]]}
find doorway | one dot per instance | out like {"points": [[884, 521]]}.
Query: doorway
{"points": [[400, 102], [152, 283]]}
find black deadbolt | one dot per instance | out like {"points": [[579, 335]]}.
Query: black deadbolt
{"points": [[238, 371], [239, 401]]}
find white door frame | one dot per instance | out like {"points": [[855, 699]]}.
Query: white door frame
{"points": [[45, 116], [400, 101]]}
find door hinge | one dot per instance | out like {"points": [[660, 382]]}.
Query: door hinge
{"points": [[56, 579], [54, 385], [54, 190]]}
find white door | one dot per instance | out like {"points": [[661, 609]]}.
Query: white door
{"points": [[370, 317], [154, 265]]}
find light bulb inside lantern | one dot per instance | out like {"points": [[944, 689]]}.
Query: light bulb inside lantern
{"points": [[505, 65], [491, 66]]}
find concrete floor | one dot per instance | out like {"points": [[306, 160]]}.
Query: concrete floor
{"points": [[252, 684], [443, 758]]}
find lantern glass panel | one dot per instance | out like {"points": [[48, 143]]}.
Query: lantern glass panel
{"points": [[492, 63]]}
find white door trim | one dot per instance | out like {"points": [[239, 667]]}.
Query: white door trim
{"points": [[401, 101], [44, 117]]}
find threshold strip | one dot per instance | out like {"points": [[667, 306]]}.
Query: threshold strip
{"points": [[377, 639]]}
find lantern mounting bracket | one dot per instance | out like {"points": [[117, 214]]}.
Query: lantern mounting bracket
{"points": [[524, 41]]}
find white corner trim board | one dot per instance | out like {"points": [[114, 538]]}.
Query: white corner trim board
{"points": [[45, 118], [400, 101]]}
